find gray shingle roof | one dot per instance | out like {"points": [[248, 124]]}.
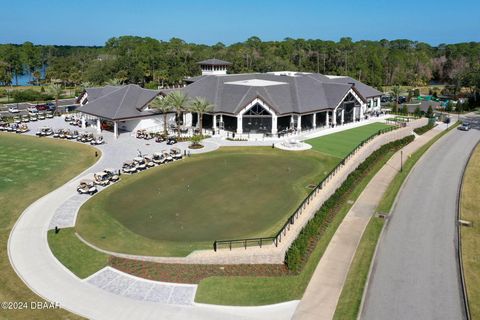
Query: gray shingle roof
{"points": [[119, 102], [302, 93], [365, 90], [214, 62]]}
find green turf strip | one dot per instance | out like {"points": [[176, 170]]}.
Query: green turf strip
{"points": [[340, 144]]}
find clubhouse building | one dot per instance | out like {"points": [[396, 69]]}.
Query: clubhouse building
{"points": [[268, 103]]}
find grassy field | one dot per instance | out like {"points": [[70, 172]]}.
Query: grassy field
{"points": [[470, 211], [30, 168], [230, 193], [268, 290], [73, 253], [351, 296], [340, 144]]}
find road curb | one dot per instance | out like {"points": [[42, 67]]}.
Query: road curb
{"points": [[459, 235]]}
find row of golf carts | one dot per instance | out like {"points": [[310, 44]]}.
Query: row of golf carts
{"points": [[13, 127], [80, 137], [103, 178], [141, 163], [159, 137], [32, 117]]}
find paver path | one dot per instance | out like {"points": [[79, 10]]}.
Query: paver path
{"points": [[321, 297]]}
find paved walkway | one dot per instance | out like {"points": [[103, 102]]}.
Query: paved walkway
{"points": [[415, 272], [320, 299]]}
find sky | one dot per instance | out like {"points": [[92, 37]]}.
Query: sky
{"points": [[90, 22]]}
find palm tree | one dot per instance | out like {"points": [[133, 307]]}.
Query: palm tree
{"points": [[113, 82], [200, 106], [56, 91], [396, 90], [179, 102], [162, 104]]}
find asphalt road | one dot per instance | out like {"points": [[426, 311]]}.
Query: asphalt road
{"points": [[415, 273]]}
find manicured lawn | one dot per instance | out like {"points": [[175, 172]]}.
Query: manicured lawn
{"points": [[30, 168], [470, 211], [351, 297], [340, 144], [247, 291], [74, 254], [176, 208]]}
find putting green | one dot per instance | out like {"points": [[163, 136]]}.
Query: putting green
{"points": [[227, 194], [341, 143]]}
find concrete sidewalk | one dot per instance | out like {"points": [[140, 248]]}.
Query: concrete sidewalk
{"points": [[322, 294]]}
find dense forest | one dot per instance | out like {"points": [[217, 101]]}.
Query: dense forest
{"points": [[150, 62]]}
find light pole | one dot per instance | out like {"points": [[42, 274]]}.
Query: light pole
{"points": [[401, 160]]}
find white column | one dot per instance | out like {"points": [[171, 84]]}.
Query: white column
{"points": [[221, 120], [214, 122], [314, 121], [83, 122], [354, 114], [379, 106], [327, 122], [99, 126], [299, 123], [342, 118], [239, 124], [115, 129], [363, 107], [334, 117], [371, 104], [274, 124], [291, 121]]}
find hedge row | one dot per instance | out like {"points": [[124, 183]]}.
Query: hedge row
{"points": [[424, 129], [300, 250]]}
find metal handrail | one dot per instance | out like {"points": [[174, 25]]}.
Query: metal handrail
{"points": [[291, 219]]}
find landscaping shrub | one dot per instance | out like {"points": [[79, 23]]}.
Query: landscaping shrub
{"points": [[29, 95], [424, 129], [299, 252]]}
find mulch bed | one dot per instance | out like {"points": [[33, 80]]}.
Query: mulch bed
{"points": [[194, 273]]}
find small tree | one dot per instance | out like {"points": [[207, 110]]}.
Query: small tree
{"points": [[396, 90], [429, 112], [162, 105], [56, 91], [201, 106], [196, 139], [417, 111], [449, 107], [404, 109], [394, 108], [179, 102]]}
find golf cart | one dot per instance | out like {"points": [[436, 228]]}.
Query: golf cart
{"points": [[148, 135], [140, 163], [41, 116], [112, 176], [159, 138], [101, 178], [158, 158], [176, 153], [168, 157], [97, 141], [49, 115], [87, 187], [171, 140], [149, 161], [129, 167], [68, 118], [140, 134], [25, 119], [33, 117], [44, 131], [22, 128], [57, 133]]}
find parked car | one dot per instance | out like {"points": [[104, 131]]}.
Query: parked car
{"points": [[464, 127], [41, 107], [32, 109], [402, 99], [13, 109]]}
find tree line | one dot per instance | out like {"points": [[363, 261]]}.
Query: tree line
{"points": [[151, 62]]}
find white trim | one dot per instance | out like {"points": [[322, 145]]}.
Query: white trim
{"points": [[254, 102]]}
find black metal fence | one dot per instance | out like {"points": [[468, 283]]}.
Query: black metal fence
{"points": [[244, 243]]}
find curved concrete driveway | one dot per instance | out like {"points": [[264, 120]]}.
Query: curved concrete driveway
{"points": [[33, 261], [415, 273]]}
